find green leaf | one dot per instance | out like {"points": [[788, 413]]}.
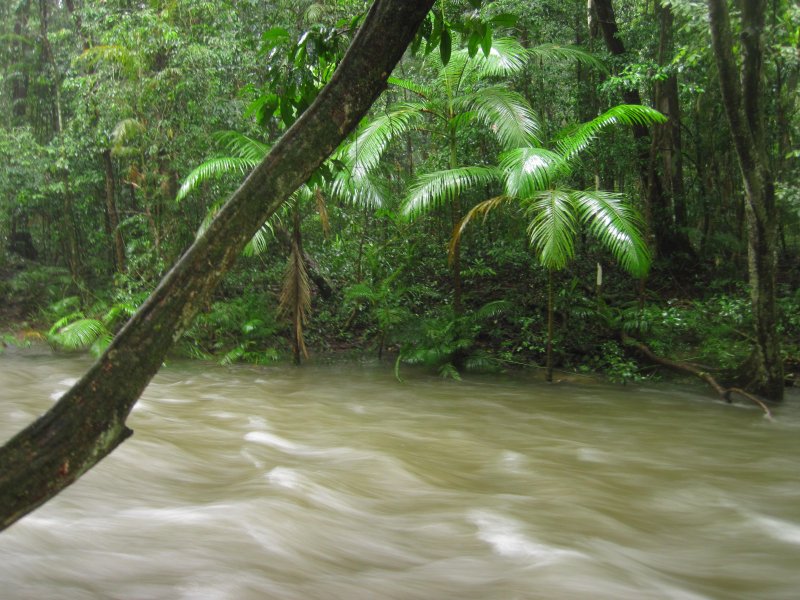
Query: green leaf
{"points": [[473, 43], [506, 57], [486, 42], [445, 46], [504, 20], [273, 37]]}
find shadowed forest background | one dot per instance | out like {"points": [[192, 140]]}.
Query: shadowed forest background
{"points": [[507, 198]]}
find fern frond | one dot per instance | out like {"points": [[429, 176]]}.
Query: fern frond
{"points": [[258, 243], [127, 61], [79, 334], [431, 190], [367, 190], [361, 292]]}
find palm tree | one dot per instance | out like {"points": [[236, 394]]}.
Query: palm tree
{"points": [[533, 179], [242, 154], [462, 95]]}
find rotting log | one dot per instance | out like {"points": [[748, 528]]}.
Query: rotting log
{"points": [[88, 422]]}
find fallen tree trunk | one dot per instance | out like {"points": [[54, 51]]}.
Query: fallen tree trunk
{"points": [[88, 422], [690, 369]]}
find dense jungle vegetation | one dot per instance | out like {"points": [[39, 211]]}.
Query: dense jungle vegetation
{"points": [[542, 184]]}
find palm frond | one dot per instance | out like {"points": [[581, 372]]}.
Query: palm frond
{"points": [[240, 145], [482, 208], [365, 152], [506, 57], [617, 226], [361, 292], [322, 211], [124, 131], [550, 52], [295, 298], [552, 228], [78, 334], [507, 115], [412, 86], [366, 190], [127, 61], [100, 344], [214, 167], [530, 170], [452, 74], [576, 140], [258, 243], [431, 190], [492, 309]]}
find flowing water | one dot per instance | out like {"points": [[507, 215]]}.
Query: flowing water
{"points": [[339, 482]]}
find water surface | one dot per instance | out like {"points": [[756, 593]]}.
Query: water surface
{"points": [[339, 482]]}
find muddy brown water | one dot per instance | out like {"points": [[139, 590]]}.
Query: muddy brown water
{"points": [[339, 482]]}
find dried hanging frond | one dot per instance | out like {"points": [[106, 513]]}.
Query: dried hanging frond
{"points": [[295, 300], [322, 209]]}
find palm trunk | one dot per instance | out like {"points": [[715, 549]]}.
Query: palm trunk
{"points": [[88, 422], [456, 218]]}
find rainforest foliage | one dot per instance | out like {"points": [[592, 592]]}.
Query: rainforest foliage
{"points": [[540, 182]]}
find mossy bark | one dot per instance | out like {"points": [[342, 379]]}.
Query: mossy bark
{"points": [[88, 422]]}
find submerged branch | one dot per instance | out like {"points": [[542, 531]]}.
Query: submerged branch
{"points": [[688, 368]]}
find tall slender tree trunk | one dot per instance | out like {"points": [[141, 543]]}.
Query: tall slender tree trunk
{"points": [[88, 422], [742, 94], [19, 85], [113, 215], [652, 187], [666, 152]]}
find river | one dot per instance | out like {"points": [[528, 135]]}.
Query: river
{"points": [[339, 482]]}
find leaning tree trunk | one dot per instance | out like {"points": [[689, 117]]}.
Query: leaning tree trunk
{"points": [[742, 95], [88, 422]]}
